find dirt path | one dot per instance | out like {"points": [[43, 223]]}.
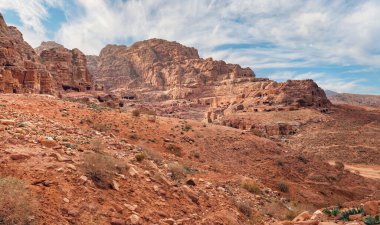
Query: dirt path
{"points": [[369, 171]]}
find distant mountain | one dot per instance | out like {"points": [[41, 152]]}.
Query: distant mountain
{"points": [[330, 93], [353, 99]]}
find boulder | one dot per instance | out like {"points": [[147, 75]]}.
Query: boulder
{"points": [[302, 217], [371, 208]]}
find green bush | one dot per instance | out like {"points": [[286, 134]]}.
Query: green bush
{"points": [[372, 220], [333, 212]]}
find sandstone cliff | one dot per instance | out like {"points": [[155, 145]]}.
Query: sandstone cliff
{"points": [[158, 70], [68, 67], [20, 70], [158, 65]]}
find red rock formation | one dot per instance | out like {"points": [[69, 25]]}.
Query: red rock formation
{"points": [[20, 70], [159, 65], [157, 70], [161, 70], [68, 67]]}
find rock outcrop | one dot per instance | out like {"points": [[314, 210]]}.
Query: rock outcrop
{"points": [[157, 70], [356, 99], [20, 70], [68, 67], [168, 70], [267, 96]]}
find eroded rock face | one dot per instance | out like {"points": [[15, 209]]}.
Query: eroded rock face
{"points": [[158, 65], [68, 67], [157, 70], [20, 70], [267, 96]]}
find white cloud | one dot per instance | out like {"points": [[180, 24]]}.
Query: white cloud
{"points": [[31, 14], [287, 34], [339, 32]]}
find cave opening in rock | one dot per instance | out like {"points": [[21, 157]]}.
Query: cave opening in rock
{"points": [[70, 88]]}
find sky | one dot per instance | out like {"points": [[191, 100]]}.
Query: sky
{"points": [[335, 43]]}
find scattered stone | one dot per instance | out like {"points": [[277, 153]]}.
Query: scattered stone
{"points": [[135, 219], [117, 222], [319, 215], [66, 200], [71, 166], [48, 142], [169, 221], [7, 122], [130, 207], [115, 185], [83, 178], [19, 157], [221, 189], [60, 158], [132, 172], [190, 182], [192, 195], [302, 217]]}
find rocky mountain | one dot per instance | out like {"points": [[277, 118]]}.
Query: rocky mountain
{"points": [[47, 45], [68, 67], [20, 69], [156, 70], [330, 93], [356, 99], [172, 69], [162, 70], [143, 152]]}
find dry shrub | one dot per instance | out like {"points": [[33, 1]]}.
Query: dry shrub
{"points": [[140, 156], [136, 113], [252, 187], [245, 208], [174, 149], [97, 145], [102, 168], [177, 171], [291, 215], [339, 165], [153, 155], [101, 127], [17, 204], [152, 118], [283, 187], [133, 136]]}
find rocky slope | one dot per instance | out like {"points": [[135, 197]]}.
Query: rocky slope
{"points": [[356, 99], [68, 67], [20, 70], [168, 171]]}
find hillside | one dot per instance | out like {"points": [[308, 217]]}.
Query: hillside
{"points": [[356, 99], [154, 134]]}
